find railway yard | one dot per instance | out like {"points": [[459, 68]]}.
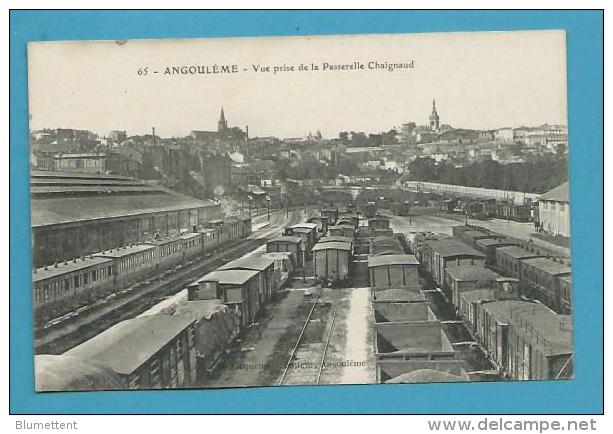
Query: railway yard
{"points": [[321, 296]]}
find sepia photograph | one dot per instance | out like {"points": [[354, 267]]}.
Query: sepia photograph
{"points": [[305, 210]]}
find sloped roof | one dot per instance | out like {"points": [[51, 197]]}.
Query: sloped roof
{"points": [[375, 261], [128, 344], [304, 226], [54, 373], [548, 265], [230, 277], [472, 273], [68, 267], [517, 252], [557, 194], [251, 262], [335, 245], [451, 247], [74, 209], [501, 241], [335, 238], [124, 251], [546, 328]]}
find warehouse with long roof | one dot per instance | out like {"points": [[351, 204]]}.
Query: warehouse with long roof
{"points": [[76, 214]]}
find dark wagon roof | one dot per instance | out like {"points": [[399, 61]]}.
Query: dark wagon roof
{"points": [[128, 345]]}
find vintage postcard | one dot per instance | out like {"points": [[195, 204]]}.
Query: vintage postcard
{"points": [[271, 211]]}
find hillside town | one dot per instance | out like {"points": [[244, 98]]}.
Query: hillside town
{"points": [[224, 162]]}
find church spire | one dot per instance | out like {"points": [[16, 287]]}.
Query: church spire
{"points": [[222, 125], [434, 119]]}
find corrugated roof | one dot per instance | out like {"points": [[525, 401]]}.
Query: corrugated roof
{"points": [[127, 345], [49, 211], [230, 277], [548, 265], [375, 261], [332, 246], [557, 194], [472, 273], [451, 247], [69, 267]]}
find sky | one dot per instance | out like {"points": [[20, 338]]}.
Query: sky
{"points": [[481, 80]]}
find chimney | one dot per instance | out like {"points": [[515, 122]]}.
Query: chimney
{"points": [[46, 268], [55, 265]]}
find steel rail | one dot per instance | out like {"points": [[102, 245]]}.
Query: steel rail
{"points": [[304, 327], [327, 344]]}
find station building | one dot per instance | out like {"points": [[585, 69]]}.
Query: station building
{"points": [[76, 214], [554, 211]]}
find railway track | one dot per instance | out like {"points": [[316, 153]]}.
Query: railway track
{"points": [[113, 310], [307, 360]]}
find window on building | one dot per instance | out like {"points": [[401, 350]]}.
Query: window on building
{"points": [[77, 281]]}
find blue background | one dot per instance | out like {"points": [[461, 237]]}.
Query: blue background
{"points": [[584, 394]]}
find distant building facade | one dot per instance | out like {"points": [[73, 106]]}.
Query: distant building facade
{"points": [[554, 211]]}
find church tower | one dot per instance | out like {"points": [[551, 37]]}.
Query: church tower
{"points": [[222, 124], [434, 119]]}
